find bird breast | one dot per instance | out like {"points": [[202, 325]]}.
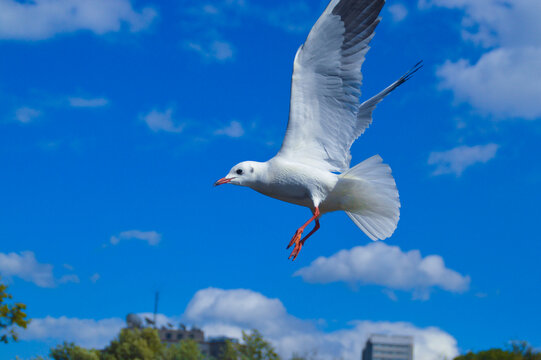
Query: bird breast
{"points": [[296, 183]]}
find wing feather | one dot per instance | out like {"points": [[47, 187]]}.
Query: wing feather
{"points": [[326, 84]]}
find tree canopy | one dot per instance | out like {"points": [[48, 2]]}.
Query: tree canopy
{"points": [[70, 351], [519, 350], [12, 315], [185, 350], [254, 347], [140, 344], [131, 344]]}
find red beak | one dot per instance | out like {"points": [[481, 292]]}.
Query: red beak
{"points": [[223, 181]]}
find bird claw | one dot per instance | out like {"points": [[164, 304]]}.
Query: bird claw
{"points": [[295, 251], [298, 245], [295, 238]]}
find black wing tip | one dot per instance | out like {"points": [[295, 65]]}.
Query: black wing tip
{"points": [[414, 69], [411, 72]]}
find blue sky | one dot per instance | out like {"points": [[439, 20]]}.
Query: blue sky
{"points": [[117, 116]]}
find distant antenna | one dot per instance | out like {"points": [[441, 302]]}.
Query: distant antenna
{"points": [[156, 307]]}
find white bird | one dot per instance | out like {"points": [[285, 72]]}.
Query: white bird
{"points": [[326, 117]]}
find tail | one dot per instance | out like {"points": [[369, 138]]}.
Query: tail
{"points": [[375, 205]]}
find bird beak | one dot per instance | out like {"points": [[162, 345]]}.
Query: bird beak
{"points": [[223, 181]]}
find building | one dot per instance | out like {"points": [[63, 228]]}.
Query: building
{"points": [[173, 336], [388, 347], [169, 335], [213, 347], [217, 345]]}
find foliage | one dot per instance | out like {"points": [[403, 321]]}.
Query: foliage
{"points": [[523, 349], [185, 350], [140, 344], [145, 344], [11, 316], [519, 351], [230, 351], [69, 351], [254, 347], [306, 356]]}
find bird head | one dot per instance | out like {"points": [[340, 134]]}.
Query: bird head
{"points": [[244, 174]]}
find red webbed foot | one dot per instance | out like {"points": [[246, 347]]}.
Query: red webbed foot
{"points": [[296, 250], [296, 238]]}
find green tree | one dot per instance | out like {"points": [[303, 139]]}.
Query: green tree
{"points": [[185, 350], [230, 351], [70, 351], [254, 347], [523, 349], [136, 344], [519, 350], [312, 355], [12, 315]]}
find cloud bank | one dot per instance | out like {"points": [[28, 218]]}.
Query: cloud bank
{"points": [[43, 19], [151, 237], [79, 102], [84, 332], [398, 12], [504, 81], [229, 312], [26, 114], [384, 265], [208, 21], [162, 121], [234, 130], [26, 267], [456, 160]]}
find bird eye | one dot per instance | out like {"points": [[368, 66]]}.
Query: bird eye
{"points": [[239, 171]]}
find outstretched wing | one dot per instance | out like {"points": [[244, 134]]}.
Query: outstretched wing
{"points": [[325, 90]]}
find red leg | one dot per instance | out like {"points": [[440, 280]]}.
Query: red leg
{"points": [[316, 228], [297, 237]]}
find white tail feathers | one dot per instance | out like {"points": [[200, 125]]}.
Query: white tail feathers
{"points": [[374, 205]]}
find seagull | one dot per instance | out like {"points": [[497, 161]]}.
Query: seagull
{"points": [[312, 168]]}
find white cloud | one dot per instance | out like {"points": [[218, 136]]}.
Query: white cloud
{"points": [[294, 17], [209, 19], [381, 264], [210, 9], [87, 102], [495, 22], [84, 332], [398, 12], [228, 312], [94, 278], [70, 278], [504, 81], [162, 121], [43, 19], [88, 333], [151, 237], [234, 130], [390, 294], [26, 267], [26, 114], [456, 160], [216, 50]]}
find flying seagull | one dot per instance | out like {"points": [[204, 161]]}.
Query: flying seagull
{"points": [[325, 118]]}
